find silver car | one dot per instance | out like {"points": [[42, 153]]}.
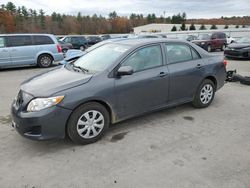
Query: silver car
{"points": [[28, 50]]}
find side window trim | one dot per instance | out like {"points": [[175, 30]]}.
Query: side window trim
{"points": [[141, 47]]}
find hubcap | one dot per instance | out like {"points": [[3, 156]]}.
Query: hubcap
{"points": [[82, 48], [45, 61], [90, 124], [206, 94]]}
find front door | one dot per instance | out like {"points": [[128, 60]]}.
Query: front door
{"points": [[147, 88]]}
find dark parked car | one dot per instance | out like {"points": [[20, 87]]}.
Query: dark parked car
{"points": [[65, 46], [78, 42], [105, 37], [114, 82], [239, 49], [93, 40], [212, 41]]}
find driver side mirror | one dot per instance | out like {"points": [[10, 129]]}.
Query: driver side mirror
{"points": [[125, 70]]}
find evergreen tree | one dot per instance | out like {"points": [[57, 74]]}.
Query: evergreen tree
{"points": [[192, 27], [183, 27], [42, 19], [213, 27], [174, 28], [203, 27]]}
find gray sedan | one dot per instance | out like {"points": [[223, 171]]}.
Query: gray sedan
{"points": [[114, 82]]}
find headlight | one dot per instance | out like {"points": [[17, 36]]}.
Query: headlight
{"points": [[202, 43], [43, 103]]}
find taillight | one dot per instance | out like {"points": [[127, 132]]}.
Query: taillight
{"points": [[59, 48], [225, 62]]}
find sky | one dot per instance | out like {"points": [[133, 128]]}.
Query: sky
{"points": [[193, 8]]}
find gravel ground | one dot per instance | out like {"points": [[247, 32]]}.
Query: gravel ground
{"points": [[180, 147]]}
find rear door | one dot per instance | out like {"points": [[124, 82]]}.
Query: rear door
{"points": [[147, 87], [186, 71], [4, 52], [22, 50]]}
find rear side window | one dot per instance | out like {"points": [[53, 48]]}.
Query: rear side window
{"points": [[19, 41], [2, 42], [178, 53], [42, 40]]}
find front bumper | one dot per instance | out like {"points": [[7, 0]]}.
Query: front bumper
{"points": [[42, 125], [241, 54]]}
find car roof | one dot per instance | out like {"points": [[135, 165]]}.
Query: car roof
{"points": [[145, 41], [27, 34]]}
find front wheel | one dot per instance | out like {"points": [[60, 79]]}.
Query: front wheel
{"points": [[209, 48], [223, 47], [88, 123], [204, 95], [82, 48]]}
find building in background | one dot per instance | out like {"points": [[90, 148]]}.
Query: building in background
{"points": [[165, 28]]}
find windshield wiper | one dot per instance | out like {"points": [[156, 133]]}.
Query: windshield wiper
{"points": [[81, 68]]}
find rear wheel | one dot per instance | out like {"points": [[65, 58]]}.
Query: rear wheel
{"points": [[204, 95], [44, 61], [88, 123]]}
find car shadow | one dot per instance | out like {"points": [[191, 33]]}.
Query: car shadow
{"points": [[115, 132]]}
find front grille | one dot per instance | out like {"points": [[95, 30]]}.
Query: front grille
{"points": [[232, 52]]}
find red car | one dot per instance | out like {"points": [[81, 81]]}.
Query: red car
{"points": [[210, 42]]}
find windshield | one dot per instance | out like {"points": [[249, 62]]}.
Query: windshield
{"points": [[204, 37], [99, 59], [244, 40]]}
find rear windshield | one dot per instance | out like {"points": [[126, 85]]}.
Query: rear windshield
{"points": [[204, 37], [244, 40]]}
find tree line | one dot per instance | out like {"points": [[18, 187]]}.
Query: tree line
{"points": [[16, 19]]}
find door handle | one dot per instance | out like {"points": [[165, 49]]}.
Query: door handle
{"points": [[198, 66], [162, 74]]}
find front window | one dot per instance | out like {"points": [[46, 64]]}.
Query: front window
{"points": [[101, 58], [145, 58]]}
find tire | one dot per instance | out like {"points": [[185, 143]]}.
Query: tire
{"points": [[207, 90], [81, 124], [209, 48], [44, 61], [82, 48], [223, 47]]}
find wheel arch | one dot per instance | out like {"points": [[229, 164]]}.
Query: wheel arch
{"points": [[213, 79]]}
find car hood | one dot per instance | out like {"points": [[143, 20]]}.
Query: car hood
{"points": [[54, 81], [239, 45]]}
